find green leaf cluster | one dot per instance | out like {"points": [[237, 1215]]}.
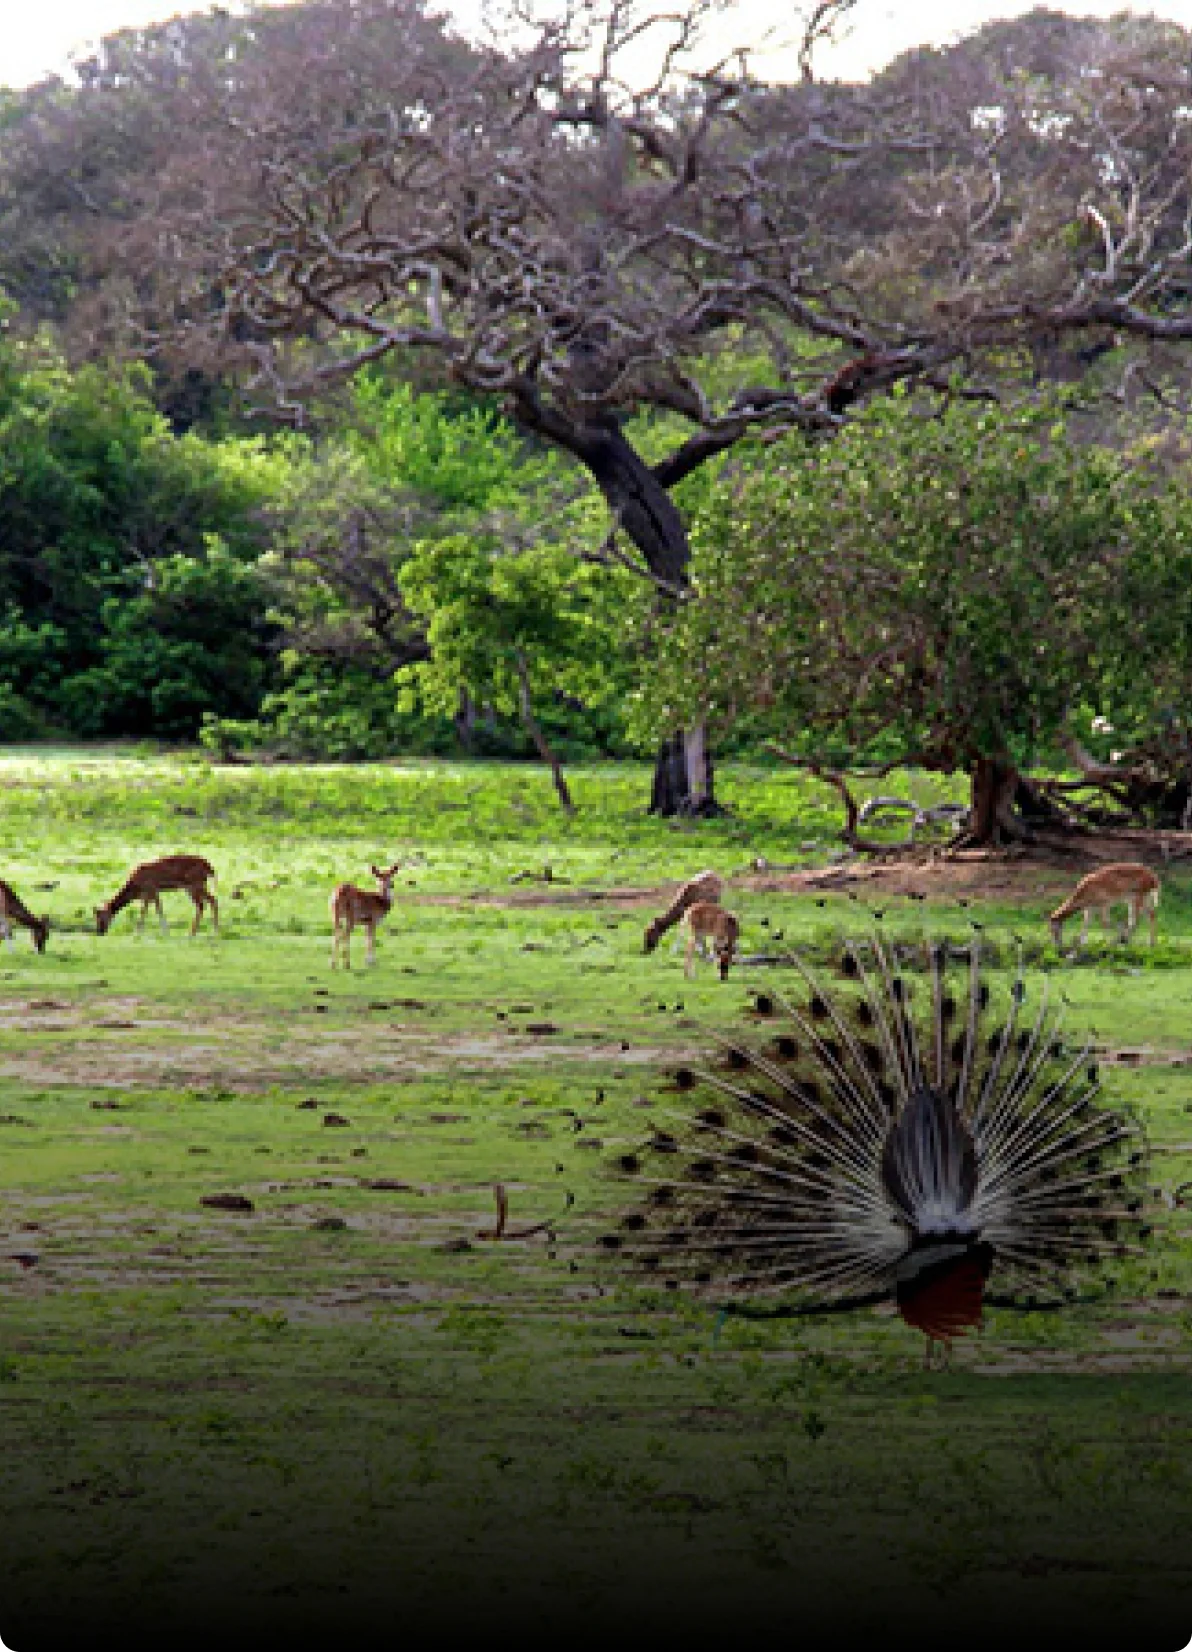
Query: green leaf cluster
{"points": [[937, 589]]}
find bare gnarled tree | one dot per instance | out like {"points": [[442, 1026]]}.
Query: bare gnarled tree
{"points": [[589, 217]]}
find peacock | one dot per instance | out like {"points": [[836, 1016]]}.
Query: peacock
{"points": [[906, 1132]]}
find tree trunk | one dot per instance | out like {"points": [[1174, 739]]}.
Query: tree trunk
{"points": [[465, 721], [637, 495], [993, 785], [534, 730], [683, 779]]}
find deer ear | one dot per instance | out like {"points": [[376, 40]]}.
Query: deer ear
{"points": [[376, 872]]}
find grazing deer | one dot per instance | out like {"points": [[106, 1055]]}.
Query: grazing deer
{"points": [[13, 910], [351, 906], [149, 881], [704, 886], [707, 921], [1136, 886]]}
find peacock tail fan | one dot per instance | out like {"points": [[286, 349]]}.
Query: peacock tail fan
{"points": [[915, 1129]]}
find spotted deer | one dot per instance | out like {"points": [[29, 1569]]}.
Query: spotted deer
{"points": [[351, 906], [704, 886], [706, 921], [1135, 886], [148, 882], [14, 911]]}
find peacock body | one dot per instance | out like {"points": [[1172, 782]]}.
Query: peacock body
{"points": [[906, 1133]]}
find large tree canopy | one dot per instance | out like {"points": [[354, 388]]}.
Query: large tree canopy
{"points": [[586, 217], [957, 593], [528, 218]]}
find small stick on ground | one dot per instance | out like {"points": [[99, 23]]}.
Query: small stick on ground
{"points": [[499, 1232]]}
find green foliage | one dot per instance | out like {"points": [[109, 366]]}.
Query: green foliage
{"points": [[193, 641], [487, 608], [127, 603], [342, 713], [427, 525], [933, 589]]}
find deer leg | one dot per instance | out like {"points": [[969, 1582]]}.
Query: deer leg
{"points": [[347, 943], [196, 896], [214, 905], [161, 917], [1131, 918], [1152, 914], [6, 929], [370, 930], [690, 958]]}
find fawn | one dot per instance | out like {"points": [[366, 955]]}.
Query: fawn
{"points": [[13, 910], [704, 886], [149, 881], [351, 906], [707, 921], [1136, 886]]}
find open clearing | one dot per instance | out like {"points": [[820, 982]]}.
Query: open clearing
{"points": [[344, 1392]]}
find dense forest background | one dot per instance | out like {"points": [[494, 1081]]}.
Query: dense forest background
{"points": [[916, 493]]}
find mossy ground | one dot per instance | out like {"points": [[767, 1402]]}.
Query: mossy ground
{"points": [[344, 1406]]}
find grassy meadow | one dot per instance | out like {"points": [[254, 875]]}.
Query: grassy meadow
{"points": [[342, 1407]]}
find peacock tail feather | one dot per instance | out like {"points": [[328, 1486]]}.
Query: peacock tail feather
{"points": [[906, 1131]]}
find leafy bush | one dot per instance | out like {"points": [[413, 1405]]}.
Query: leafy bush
{"points": [[192, 642]]}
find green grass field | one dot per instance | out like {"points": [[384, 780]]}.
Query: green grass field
{"points": [[345, 1402]]}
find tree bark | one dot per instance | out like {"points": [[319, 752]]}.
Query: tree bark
{"points": [[534, 730], [683, 776], [993, 785], [465, 721], [637, 495]]}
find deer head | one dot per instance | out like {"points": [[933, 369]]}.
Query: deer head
{"points": [[385, 878]]}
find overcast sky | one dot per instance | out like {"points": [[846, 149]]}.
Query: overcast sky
{"points": [[38, 38]]}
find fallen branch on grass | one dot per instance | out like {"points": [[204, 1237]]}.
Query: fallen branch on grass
{"points": [[502, 1232]]}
